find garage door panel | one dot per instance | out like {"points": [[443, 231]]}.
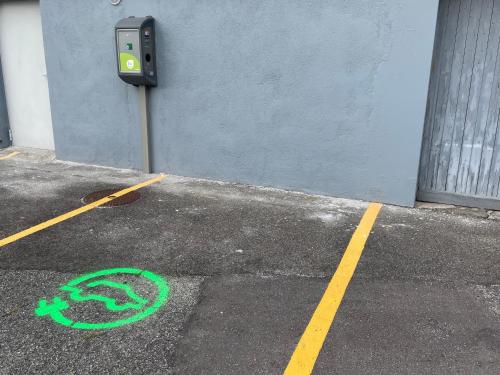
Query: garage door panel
{"points": [[450, 65], [465, 108], [481, 102], [472, 96], [436, 68], [490, 134], [460, 152], [494, 177]]}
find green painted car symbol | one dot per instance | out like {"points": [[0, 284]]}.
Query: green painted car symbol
{"points": [[135, 308]]}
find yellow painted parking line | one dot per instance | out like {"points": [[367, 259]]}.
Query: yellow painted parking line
{"points": [[11, 155], [77, 212], [307, 351]]}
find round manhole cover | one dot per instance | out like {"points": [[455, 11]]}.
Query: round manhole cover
{"points": [[120, 201]]}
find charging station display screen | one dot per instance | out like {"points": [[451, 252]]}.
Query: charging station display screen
{"points": [[129, 51]]}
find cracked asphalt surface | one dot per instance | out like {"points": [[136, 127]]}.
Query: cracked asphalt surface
{"points": [[246, 268]]}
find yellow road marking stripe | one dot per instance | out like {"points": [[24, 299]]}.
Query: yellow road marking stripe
{"points": [[77, 212], [307, 350], [8, 156]]}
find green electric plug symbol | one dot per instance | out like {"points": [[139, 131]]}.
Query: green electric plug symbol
{"points": [[54, 310], [141, 307]]}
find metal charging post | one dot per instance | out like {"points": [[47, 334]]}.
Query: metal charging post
{"points": [[144, 116]]}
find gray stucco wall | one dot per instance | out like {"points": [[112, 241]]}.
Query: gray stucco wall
{"points": [[321, 96], [4, 117]]}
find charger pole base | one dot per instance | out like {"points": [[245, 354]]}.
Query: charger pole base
{"points": [[144, 116]]}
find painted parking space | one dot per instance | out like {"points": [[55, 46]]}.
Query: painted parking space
{"points": [[35, 195], [310, 344], [39, 345], [51, 307], [303, 358], [77, 211], [9, 155], [247, 270], [423, 299]]}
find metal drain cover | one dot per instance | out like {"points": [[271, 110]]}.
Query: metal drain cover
{"points": [[120, 201]]}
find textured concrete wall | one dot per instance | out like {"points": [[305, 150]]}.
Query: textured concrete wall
{"points": [[321, 96]]}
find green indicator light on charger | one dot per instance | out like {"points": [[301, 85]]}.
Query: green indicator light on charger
{"points": [[80, 291], [129, 46]]}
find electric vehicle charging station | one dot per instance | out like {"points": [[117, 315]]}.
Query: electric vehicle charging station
{"points": [[136, 63], [136, 52]]}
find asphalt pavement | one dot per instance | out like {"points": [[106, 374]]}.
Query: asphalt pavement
{"points": [[243, 269]]}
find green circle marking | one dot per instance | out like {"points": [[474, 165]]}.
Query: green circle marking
{"points": [[143, 307]]}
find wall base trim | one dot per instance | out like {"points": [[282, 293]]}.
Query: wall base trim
{"points": [[459, 200]]}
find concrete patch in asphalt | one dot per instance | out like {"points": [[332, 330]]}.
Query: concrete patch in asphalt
{"points": [[247, 324]]}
